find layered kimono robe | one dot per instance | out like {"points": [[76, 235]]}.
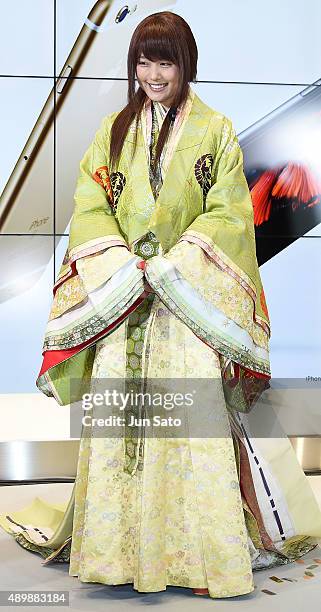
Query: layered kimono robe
{"points": [[157, 511]]}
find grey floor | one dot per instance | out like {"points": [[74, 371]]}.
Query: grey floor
{"points": [[20, 569]]}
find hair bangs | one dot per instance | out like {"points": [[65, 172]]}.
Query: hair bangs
{"points": [[157, 46]]}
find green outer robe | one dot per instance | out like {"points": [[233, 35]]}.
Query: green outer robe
{"points": [[198, 512]]}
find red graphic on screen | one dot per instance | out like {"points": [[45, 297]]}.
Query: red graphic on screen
{"points": [[293, 182]]}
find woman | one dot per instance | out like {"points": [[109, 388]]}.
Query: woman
{"points": [[160, 282]]}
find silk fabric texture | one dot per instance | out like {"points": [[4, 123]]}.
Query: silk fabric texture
{"points": [[183, 520], [203, 214]]}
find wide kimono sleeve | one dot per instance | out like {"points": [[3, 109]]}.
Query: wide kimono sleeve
{"points": [[211, 281], [98, 284]]}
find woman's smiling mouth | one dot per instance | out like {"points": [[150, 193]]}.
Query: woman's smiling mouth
{"points": [[159, 87]]}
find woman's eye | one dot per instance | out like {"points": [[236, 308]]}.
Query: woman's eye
{"points": [[142, 63]]}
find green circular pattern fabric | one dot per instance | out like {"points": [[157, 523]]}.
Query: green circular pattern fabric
{"points": [[146, 247]]}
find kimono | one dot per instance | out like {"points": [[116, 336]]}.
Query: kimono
{"points": [[155, 511]]}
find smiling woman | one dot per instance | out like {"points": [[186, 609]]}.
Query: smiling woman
{"points": [[161, 283], [159, 79], [162, 50]]}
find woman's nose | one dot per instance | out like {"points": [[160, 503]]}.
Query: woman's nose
{"points": [[154, 74]]}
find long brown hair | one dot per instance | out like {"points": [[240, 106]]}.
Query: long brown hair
{"points": [[161, 36]]}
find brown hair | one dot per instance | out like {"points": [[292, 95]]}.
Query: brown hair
{"points": [[161, 36]]}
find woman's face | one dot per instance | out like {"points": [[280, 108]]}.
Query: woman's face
{"points": [[162, 72]]}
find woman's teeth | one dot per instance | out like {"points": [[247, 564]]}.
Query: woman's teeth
{"points": [[157, 87]]}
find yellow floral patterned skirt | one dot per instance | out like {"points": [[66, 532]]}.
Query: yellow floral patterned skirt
{"points": [[195, 513], [172, 522]]}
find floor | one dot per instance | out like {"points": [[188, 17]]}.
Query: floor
{"points": [[297, 587]]}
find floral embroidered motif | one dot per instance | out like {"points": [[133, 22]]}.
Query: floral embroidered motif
{"points": [[113, 184], [203, 173], [101, 176], [118, 182], [70, 293]]}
